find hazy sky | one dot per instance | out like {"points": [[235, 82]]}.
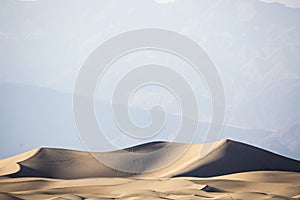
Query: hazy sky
{"points": [[255, 46], [288, 3]]}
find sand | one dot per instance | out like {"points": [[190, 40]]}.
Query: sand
{"points": [[247, 185], [233, 170]]}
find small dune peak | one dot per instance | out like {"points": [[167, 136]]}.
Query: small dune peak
{"points": [[147, 147], [227, 141], [223, 143], [26, 155]]}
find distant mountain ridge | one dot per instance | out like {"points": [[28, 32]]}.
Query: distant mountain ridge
{"points": [[32, 116]]}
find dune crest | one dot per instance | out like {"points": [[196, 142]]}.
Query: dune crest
{"points": [[226, 157], [10, 165]]}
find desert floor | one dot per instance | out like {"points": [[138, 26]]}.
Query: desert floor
{"points": [[248, 185]]}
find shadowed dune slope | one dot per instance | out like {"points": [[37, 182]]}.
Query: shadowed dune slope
{"points": [[62, 163], [234, 157], [227, 157]]}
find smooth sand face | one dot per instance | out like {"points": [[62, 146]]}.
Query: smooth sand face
{"points": [[232, 170]]}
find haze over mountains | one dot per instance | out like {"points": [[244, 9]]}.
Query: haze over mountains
{"points": [[31, 116], [255, 51]]}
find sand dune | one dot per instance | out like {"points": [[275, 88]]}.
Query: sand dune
{"points": [[232, 170], [227, 157], [233, 157]]}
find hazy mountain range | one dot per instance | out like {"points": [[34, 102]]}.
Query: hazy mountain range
{"points": [[32, 117]]}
